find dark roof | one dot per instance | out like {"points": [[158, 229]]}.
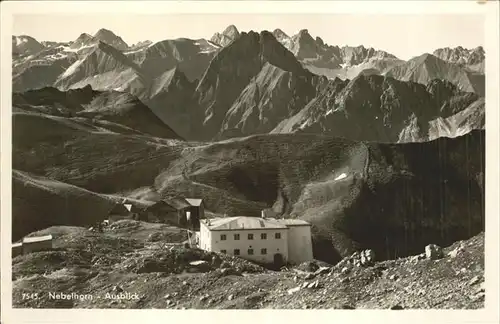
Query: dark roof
{"points": [[119, 209], [162, 204], [179, 203]]}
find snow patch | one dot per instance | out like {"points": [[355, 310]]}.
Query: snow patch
{"points": [[304, 124], [72, 69], [135, 51], [74, 50], [329, 112], [21, 40], [119, 89], [341, 176]]}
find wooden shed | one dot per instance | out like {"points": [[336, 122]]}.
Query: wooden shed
{"points": [[37, 243], [17, 249]]}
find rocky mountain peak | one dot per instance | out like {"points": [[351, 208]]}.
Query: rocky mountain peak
{"points": [[304, 36], [84, 37], [83, 40], [104, 32], [460, 55], [278, 33], [479, 49], [25, 45], [303, 32], [424, 58], [231, 31], [226, 37], [110, 38], [303, 45]]}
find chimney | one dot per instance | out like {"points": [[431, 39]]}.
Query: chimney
{"points": [[263, 214]]}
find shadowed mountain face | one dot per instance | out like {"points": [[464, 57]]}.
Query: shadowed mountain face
{"points": [[376, 108], [245, 72], [346, 188], [115, 107]]}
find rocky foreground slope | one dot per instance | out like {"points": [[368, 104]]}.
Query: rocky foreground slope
{"points": [[132, 265]]}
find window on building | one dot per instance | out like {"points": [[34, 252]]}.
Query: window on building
{"points": [[236, 237], [223, 237], [250, 236], [263, 251], [236, 251], [223, 251], [277, 235], [263, 236], [250, 251]]}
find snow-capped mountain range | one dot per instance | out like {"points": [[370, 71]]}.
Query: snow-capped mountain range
{"points": [[242, 83], [344, 62]]}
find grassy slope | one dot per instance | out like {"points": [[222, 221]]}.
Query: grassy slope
{"points": [[95, 160]]}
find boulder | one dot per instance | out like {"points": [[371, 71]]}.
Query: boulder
{"points": [[322, 270], [230, 272], [310, 276], [200, 266], [225, 265], [433, 252], [459, 249], [308, 266], [367, 257], [216, 261], [474, 280]]}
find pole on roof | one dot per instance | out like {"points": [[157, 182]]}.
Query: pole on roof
{"points": [[189, 237]]}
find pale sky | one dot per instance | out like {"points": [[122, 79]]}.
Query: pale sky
{"points": [[402, 35]]}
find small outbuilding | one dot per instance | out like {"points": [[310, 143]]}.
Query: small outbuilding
{"points": [[120, 211], [17, 249], [193, 213], [37, 243], [164, 211]]}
